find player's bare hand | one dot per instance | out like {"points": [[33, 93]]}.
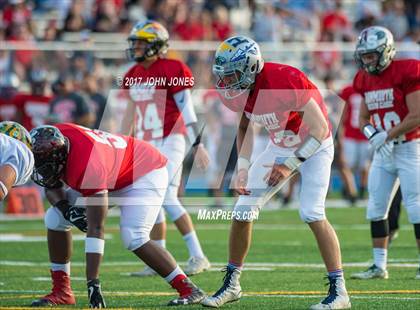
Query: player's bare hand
{"points": [[276, 173], [202, 157], [240, 182]]}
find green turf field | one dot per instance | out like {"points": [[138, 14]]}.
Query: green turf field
{"points": [[285, 268]]}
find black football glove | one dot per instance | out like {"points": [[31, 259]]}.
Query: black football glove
{"points": [[96, 300], [75, 215]]}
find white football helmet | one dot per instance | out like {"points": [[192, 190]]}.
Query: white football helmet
{"points": [[237, 62], [377, 40]]}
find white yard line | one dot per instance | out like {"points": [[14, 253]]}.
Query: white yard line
{"points": [[215, 264], [24, 238]]}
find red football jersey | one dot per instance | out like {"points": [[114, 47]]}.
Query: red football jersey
{"points": [[279, 93], [35, 109], [351, 114], [100, 161], [152, 90], [384, 94]]}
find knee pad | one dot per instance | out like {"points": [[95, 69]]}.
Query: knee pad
{"points": [[134, 237], [54, 220], [313, 214], [417, 230], [172, 205], [379, 229], [161, 217]]}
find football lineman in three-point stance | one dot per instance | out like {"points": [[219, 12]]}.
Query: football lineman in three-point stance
{"points": [[105, 169], [391, 91], [283, 100], [163, 113], [16, 160]]}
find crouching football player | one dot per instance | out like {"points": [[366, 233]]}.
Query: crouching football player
{"points": [[103, 168], [284, 101]]}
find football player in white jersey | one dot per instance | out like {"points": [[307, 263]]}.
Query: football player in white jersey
{"points": [[16, 159], [390, 119]]}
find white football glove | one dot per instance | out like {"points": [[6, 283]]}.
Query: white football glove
{"points": [[386, 149], [378, 139]]}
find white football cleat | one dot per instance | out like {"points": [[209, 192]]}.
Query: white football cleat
{"points": [[373, 272], [146, 272], [418, 274], [229, 292], [337, 296], [196, 265]]}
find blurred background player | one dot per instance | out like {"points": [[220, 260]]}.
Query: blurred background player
{"points": [[86, 160], [67, 105], [356, 150], [391, 91], [16, 159], [162, 114], [221, 123], [294, 114], [9, 84]]}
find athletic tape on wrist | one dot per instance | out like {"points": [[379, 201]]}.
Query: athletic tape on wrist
{"points": [[243, 163], [94, 245], [369, 131], [306, 150], [4, 188]]}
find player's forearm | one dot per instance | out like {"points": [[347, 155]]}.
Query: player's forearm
{"points": [[320, 131], [410, 122], [55, 195], [364, 119], [95, 243], [245, 139], [315, 120], [7, 179]]}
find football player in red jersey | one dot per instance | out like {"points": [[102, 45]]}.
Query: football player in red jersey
{"points": [[357, 153], [161, 112], [390, 119], [105, 169], [34, 107], [283, 100]]}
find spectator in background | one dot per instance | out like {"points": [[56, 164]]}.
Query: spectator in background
{"points": [[16, 12], [34, 107], [394, 18], [367, 14], [75, 20], [24, 58], [51, 33], [106, 19], [188, 24], [336, 22], [67, 106], [95, 100], [267, 25], [221, 24], [327, 62]]}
